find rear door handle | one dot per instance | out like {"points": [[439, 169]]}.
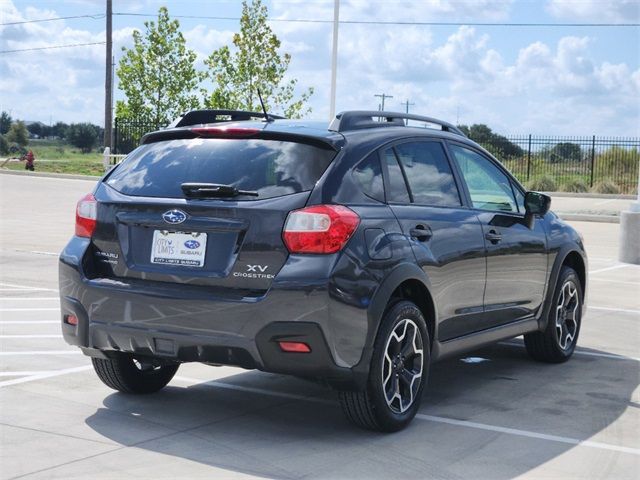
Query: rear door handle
{"points": [[421, 232], [493, 236]]}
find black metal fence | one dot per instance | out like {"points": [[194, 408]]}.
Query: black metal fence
{"points": [[127, 134], [604, 164]]}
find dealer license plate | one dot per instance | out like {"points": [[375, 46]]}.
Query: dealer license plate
{"points": [[179, 248]]}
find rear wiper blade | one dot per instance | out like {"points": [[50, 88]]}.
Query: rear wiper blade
{"points": [[214, 190]]}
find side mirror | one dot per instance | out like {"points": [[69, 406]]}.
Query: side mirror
{"points": [[535, 204]]}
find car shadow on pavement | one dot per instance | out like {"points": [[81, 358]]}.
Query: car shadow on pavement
{"points": [[276, 434]]}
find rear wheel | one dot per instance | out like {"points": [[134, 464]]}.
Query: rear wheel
{"points": [[131, 375], [398, 373], [558, 341]]}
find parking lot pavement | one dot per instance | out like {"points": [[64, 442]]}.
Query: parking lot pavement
{"points": [[496, 414]]}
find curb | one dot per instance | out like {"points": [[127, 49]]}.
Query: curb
{"points": [[581, 217], [591, 195], [69, 176]]}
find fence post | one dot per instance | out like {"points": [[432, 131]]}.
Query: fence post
{"points": [[114, 145], [529, 159], [593, 158], [106, 158]]}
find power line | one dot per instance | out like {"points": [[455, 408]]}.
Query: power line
{"points": [[52, 46], [384, 22], [96, 16]]}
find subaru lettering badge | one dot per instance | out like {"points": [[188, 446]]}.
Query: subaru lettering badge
{"points": [[192, 244], [174, 216]]}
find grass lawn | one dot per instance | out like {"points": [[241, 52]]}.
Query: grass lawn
{"points": [[55, 156]]}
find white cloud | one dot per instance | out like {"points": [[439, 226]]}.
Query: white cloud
{"points": [[627, 11]]}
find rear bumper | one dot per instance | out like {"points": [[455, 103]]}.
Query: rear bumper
{"points": [[189, 325]]}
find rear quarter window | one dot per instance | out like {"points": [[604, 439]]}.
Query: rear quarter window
{"points": [[272, 168]]}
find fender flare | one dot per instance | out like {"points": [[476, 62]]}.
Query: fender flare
{"points": [[553, 281], [379, 303]]}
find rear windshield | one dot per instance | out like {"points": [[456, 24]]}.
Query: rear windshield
{"points": [[272, 168]]}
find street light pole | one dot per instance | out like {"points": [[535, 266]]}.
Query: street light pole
{"points": [[334, 58], [108, 83]]}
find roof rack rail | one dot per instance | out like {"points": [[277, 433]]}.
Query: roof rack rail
{"points": [[361, 119], [198, 117]]}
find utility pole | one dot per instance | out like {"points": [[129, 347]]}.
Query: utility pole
{"points": [[108, 82], [383, 96], [407, 105], [334, 58]]}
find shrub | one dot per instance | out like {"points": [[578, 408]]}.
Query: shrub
{"points": [[4, 145], [576, 186], [605, 186], [542, 184]]}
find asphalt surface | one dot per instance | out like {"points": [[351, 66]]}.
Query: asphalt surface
{"points": [[491, 414]]}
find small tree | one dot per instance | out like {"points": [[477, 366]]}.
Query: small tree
{"points": [[254, 64], [5, 122], [158, 74], [18, 134], [566, 152], [83, 136]]}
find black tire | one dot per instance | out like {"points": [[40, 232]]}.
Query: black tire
{"points": [[369, 408], [552, 345], [127, 375]]}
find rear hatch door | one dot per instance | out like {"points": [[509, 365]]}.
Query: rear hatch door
{"points": [[150, 229]]}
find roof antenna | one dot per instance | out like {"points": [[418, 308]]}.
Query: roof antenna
{"points": [[267, 118]]}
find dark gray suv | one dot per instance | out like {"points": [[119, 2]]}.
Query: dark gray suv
{"points": [[356, 254]]}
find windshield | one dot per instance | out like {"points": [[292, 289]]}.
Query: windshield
{"points": [[271, 168]]}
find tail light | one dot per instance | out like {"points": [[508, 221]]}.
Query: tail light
{"points": [[225, 132], [319, 229], [86, 215]]}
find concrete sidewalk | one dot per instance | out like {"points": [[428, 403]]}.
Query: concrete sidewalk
{"points": [[589, 208]]}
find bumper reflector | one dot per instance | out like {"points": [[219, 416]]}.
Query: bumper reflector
{"points": [[294, 347], [71, 320]]}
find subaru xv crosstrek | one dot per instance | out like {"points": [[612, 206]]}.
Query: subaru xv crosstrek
{"points": [[355, 254]]}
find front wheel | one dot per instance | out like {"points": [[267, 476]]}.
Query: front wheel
{"points": [[558, 341], [131, 375], [398, 373]]}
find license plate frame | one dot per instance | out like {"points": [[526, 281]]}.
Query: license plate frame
{"points": [[178, 248]]}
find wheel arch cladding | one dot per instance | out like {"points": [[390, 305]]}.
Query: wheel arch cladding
{"points": [[570, 255], [574, 260], [406, 282]]}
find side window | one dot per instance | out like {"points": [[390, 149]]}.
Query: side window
{"points": [[428, 173], [490, 189], [519, 198], [368, 174], [397, 186]]}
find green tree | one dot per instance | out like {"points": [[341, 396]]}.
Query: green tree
{"points": [[498, 145], [83, 136], [5, 122], [18, 134], [255, 63], [158, 75], [566, 152]]}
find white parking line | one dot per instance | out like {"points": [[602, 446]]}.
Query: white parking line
{"points": [[13, 299], [20, 374], [529, 434], [43, 352], [56, 309], [578, 351], [606, 269], [30, 336], [612, 309], [40, 376], [27, 322], [26, 287], [429, 418]]}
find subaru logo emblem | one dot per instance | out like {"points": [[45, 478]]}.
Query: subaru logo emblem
{"points": [[192, 244], [174, 216]]}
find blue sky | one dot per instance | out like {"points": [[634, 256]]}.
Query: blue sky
{"points": [[542, 80]]}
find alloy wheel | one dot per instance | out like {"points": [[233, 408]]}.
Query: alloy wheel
{"points": [[567, 315], [402, 366]]}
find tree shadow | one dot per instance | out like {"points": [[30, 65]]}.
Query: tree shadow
{"points": [[276, 434]]}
